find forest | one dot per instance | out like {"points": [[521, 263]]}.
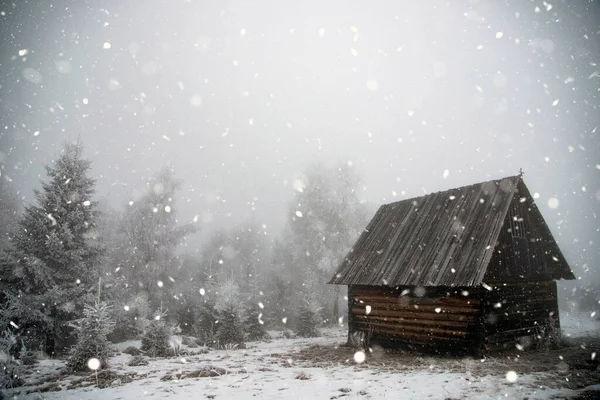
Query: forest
{"points": [[75, 273]]}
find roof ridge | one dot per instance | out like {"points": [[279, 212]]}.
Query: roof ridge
{"points": [[455, 189]]}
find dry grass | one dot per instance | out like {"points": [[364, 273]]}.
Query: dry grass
{"points": [[105, 378], [205, 372], [570, 366]]}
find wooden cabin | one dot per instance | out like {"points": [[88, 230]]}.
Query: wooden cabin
{"points": [[471, 269]]}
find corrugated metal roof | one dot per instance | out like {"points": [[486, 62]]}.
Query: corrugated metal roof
{"points": [[441, 239]]}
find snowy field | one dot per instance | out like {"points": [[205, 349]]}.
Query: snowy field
{"points": [[321, 368]]}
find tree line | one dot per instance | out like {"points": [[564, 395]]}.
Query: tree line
{"points": [[67, 255]]}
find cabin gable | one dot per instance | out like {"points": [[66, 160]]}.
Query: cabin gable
{"points": [[526, 250]]}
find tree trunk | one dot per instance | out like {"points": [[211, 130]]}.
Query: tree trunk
{"points": [[336, 305]]}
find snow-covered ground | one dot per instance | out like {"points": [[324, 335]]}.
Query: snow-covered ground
{"points": [[319, 368]]}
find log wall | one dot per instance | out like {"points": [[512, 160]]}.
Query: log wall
{"points": [[472, 320], [425, 318], [522, 314]]}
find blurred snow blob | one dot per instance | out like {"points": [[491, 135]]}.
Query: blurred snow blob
{"points": [[196, 100], [93, 364], [372, 84], [511, 376], [63, 66], [32, 75], [553, 202], [359, 357], [299, 185]]}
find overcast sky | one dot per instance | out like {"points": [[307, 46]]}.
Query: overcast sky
{"points": [[241, 96]]}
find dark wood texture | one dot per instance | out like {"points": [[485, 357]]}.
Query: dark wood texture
{"points": [[526, 250], [519, 313], [449, 238], [445, 318]]}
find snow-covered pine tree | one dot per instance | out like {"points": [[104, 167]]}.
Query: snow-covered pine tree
{"points": [[254, 317], [206, 324], [155, 341], [56, 253], [149, 236], [93, 329], [230, 331], [254, 327], [9, 212], [325, 218], [230, 327], [306, 325]]}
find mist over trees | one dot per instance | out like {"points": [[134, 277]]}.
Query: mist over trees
{"points": [[68, 251], [9, 211]]}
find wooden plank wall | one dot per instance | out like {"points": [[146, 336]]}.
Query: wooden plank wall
{"points": [[444, 318], [516, 313]]}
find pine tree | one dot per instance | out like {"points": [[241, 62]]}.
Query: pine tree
{"points": [[155, 342], [91, 337], [254, 316], [9, 212], [206, 324], [230, 328], [150, 236], [306, 325], [56, 253], [326, 216], [254, 327]]}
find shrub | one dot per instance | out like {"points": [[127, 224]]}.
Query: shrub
{"points": [[206, 323], [132, 350], [138, 360], [93, 329], [10, 377], [27, 356], [130, 323], [287, 334], [189, 341], [307, 323], [254, 327], [9, 371], [230, 331], [155, 341]]}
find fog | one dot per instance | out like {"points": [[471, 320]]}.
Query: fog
{"points": [[241, 97]]}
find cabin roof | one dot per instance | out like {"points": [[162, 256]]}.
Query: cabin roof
{"points": [[443, 239]]}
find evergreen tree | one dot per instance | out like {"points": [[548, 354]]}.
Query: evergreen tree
{"points": [[254, 326], [206, 324], [9, 212], [150, 235], [326, 217], [254, 315], [230, 327], [56, 253], [306, 325], [155, 342], [91, 337]]}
